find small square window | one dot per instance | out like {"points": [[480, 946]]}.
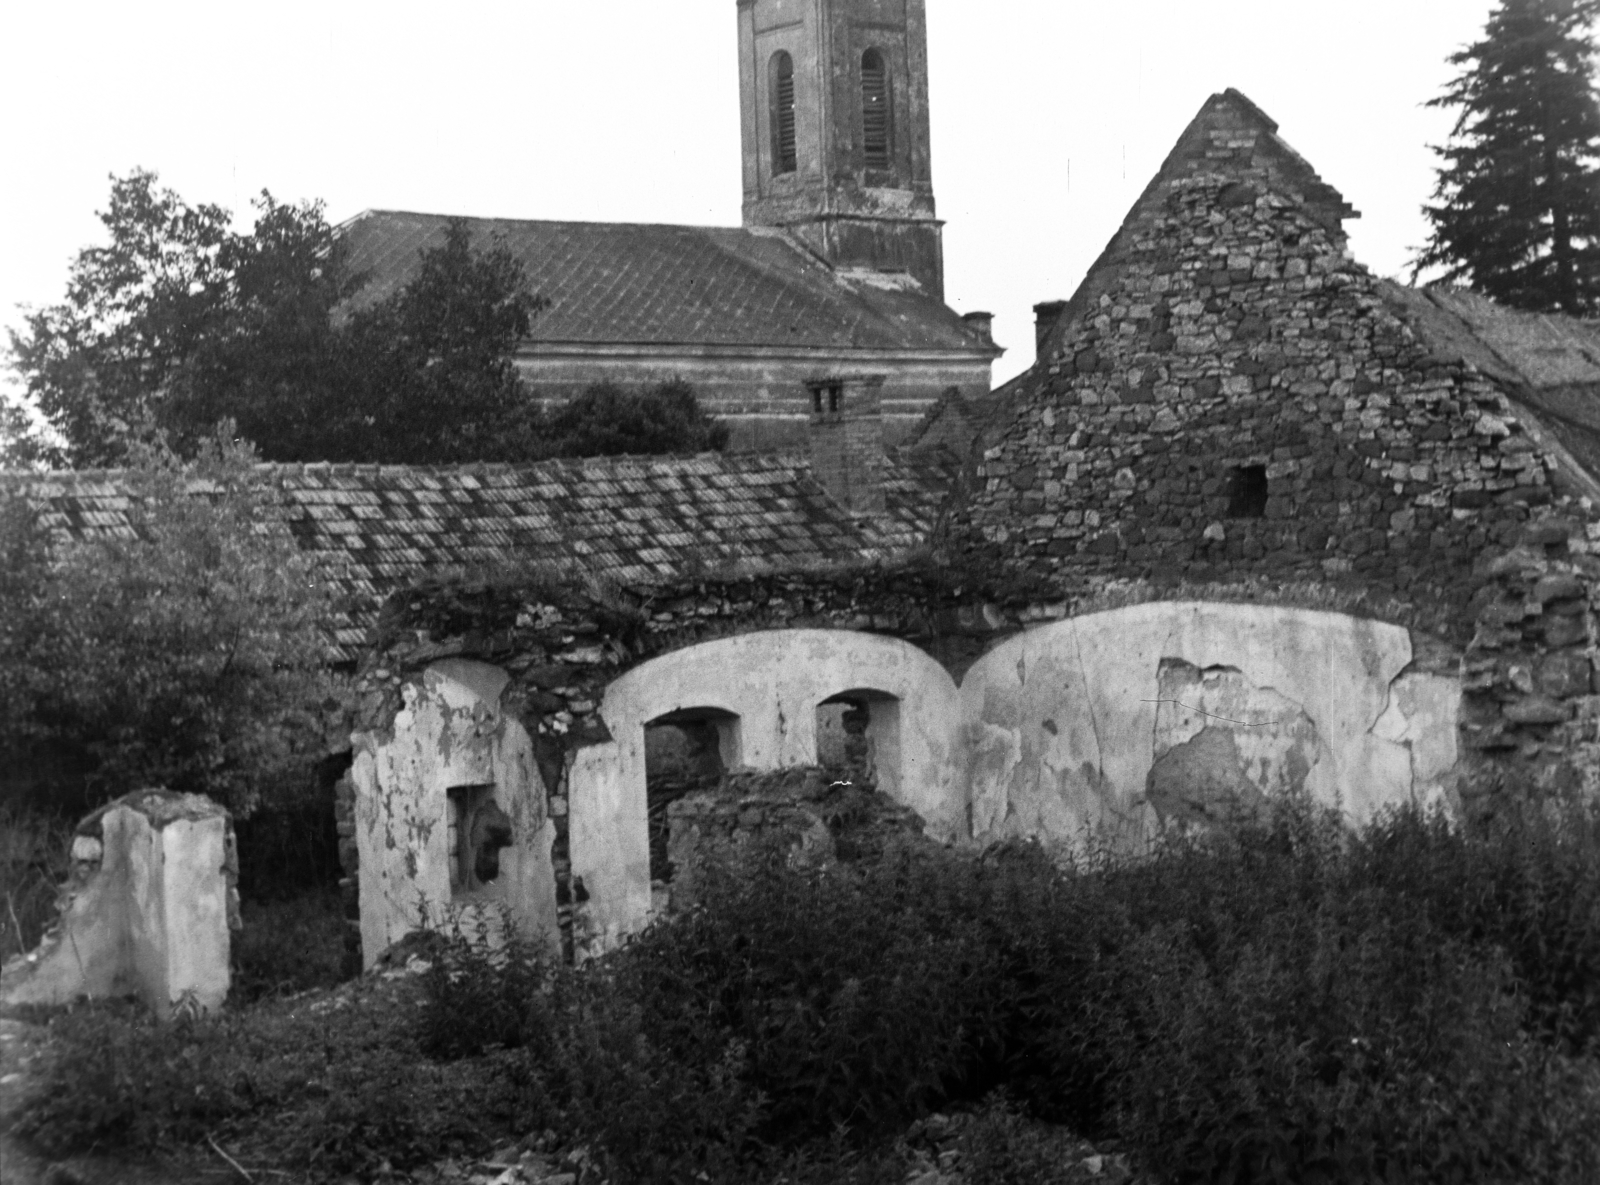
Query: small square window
{"points": [[479, 829], [1247, 492]]}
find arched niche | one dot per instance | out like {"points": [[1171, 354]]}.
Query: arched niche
{"points": [[772, 682], [1134, 719]]}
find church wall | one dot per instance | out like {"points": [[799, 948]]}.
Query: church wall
{"points": [[763, 398]]}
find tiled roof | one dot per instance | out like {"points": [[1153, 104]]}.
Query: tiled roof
{"points": [[675, 285], [635, 519], [1548, 365]]}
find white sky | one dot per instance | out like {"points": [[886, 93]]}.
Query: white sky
{"points": [[1049, 116]]}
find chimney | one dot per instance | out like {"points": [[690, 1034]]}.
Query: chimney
{"points": [[982, 324], [847, 440], [1046, 317]]}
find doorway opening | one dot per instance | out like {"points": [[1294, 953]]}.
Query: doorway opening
{"points": [[858, 739], [684, 752]]}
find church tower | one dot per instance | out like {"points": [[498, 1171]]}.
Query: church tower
{"points": [[834, 100]]}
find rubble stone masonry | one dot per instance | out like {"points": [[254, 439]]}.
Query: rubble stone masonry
{"points": [[1227, 330], [1231, 400]]}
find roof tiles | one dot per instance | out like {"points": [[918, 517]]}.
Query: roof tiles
{"points": [[635, 519], [673, 285]]}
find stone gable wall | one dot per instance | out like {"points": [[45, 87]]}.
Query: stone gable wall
{"points": [[1231, 329]]}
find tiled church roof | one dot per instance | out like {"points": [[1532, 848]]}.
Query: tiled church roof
{"points": [[635, 519], [675, 285]]}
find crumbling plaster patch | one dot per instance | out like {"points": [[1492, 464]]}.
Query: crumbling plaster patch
{"points": [[451, 732], [1067, 721], [1107, 721]]}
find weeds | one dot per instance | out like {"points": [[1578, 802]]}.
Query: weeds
{"points": [[1283, 1003], [35, 853]]}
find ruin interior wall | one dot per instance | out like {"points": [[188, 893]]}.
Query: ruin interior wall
{"points": [[1125, 721]]}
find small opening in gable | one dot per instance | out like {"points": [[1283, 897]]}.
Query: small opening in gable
{"points": [[1247, 492]]}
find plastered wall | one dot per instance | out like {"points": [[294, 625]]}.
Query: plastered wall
{"points": [[1125, 722], [772, 681], [146, 911], [1181, 711], [452, 733]]}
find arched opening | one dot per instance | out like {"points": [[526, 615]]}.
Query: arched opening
{"points": [[875, 110], [782, 114], [684, 752], [479, 829], [858, 738]]}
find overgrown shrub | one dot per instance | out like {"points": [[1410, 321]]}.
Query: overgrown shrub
{"points": [[189, 655], [1527, 883], [120, 1079], [1281, 1003], [288, 946], [863, 994], [481, 997], [34, 853]]}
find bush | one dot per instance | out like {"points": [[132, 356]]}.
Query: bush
{"points": [[863, 994], [1528, 883], [288, 946], [608, 421], [1281, 1003], [187, 656], [120, 1079], [325, 1087], [34, 856]]}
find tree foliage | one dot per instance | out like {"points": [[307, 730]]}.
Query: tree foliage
{"points": [[609, 421], [188, 655], [180, 322], [1516, 210]]}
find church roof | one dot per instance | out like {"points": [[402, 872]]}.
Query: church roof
{"points": [[676, 285], [633, 519]]}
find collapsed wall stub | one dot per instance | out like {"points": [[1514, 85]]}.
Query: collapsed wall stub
{"points": [[451, 817], [147, 909]]}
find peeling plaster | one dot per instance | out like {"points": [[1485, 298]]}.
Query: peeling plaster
{"points": [[451, 732], [1115, 723]]}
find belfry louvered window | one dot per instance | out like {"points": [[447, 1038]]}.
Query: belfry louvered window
{"points": [[783, 147], [874, 110]]}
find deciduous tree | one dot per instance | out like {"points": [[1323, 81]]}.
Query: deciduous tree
{"points": [[189, 655]]}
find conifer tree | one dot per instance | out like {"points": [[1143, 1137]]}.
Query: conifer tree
{"points": [[1516, 211]]}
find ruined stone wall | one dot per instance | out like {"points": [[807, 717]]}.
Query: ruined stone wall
{"points": [[1226, 329], [147, 909], [803, 810]]}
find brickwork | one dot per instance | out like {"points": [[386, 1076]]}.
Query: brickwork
{"points": [[1225, 338], [847, 441]]}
